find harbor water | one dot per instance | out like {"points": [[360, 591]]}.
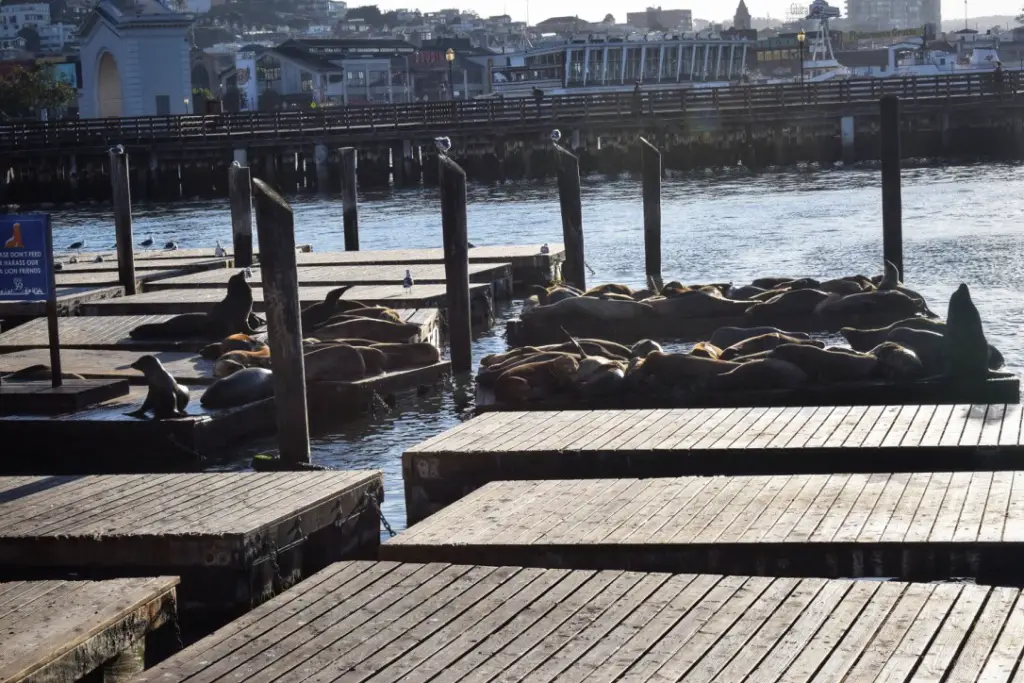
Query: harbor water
{"points": [[960, 224]]}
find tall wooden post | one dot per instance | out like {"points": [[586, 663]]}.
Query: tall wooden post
{"points": [[349, 204], [122, 218], [456, 262], [240, 190], [276, 231], [892, 206], [570, 199], [651, 160]]}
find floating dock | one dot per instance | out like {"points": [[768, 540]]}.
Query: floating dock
{"points": [[360, 620], [183, 265], [602, 444], [151, 254], [235, 539], [65, 630], [912, 526], [69, 302]]}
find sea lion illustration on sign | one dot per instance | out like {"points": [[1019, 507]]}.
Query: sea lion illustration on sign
{"points": [[16, 241]]}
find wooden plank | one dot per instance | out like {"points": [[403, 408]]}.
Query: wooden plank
{"points": [[185, 367], [182, 265], [70, 300], [163, 254], [63, 630], [96, 279], [519, 255]]}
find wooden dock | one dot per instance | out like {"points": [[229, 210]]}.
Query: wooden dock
{"points": [[106, 278], [676, 442], [110, 332], [912, 526], [183, 265], [69, 302], [234, 538], [151, 254], [64, 630], [358, 621]]}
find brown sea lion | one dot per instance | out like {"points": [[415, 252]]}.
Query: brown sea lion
{"points": [[499, 358], [376, 312], [766, 295], [337, 363], [247, 359], [367, 328], [248, 385], [743, 293], [611, 288], [679, 369], [487, 376], [234, 342], [698, 304], [592, 308], [550, 295], [706, 350], [315, 315], [724, 337], [825, 366], [929, 346], [536, 380], [842, 286], [865, 340], [224, 367], [887, 305], [165, 398], [40, 371], [897, 362], [759, 375], [800, 283], [231, 315], [796, 303], [771, 282], [966, 347], [414, 355], [643, 348], [764, 342]]}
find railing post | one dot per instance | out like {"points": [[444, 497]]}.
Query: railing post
{"points": [[452, 181], [276, 229], [121, 194], [349, 203], [651, 161], [892, 210], [240, 192], [571, 201]]}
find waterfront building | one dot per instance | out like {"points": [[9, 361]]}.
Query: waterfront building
{"points": [[878, 15], [657, 19]]}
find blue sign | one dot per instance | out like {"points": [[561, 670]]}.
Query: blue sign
{"points": [[26, 261]]}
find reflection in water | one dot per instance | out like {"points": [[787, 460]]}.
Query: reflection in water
{"points": [[959, 224]]}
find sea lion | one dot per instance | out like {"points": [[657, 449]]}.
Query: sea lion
{"points": [[606, 380], [550, 295], [488, 376], [865, 340], [724, 337], [245, 386], [376, 312], [610, 288], [378, 330], [600, 347], [766, 295], [743, 293], [592, 308], [771, 282], [764, 342], [896, 362], [929, 346], [226, 363], [698, 304], [966, 347], [536, 380], [679, 369], [825, 366], [842, 286], [614, 296], [885, 304], [589, 365], [225, 366], [228, 316], [414, 355], [235, 342], [336, 362], [643, 348], [800, 283], [759, 375], [673, 288], [890, 277], [317, 313], [796, 303], [40, 371], [706, 350], [499, 358], [165, 398]]}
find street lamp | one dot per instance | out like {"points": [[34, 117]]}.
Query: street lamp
{"points": [[800, 38], [450, 56]]}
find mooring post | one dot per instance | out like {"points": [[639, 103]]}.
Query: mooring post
{"points": [[122, 218], [349, 206], [275, 227], [452, 180], [892, 207], [571, 200], [651, 161], [240, 190]]}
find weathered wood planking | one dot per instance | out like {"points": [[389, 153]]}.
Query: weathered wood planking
{"points": [[233, 537], [69, 301], [913, 526], [62, 630], [519, 255], [199, 300], [40, 397], [181, 264], [335, 276], [675, 442], [150, 254], [185, 367], [110, 279], [110, 332], [360, 621]]}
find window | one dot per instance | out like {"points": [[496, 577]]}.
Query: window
{"points": [[163, 105], [305, 81], [356, 78]]}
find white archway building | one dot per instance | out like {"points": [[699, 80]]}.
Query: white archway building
{"points": [[135, 60]]}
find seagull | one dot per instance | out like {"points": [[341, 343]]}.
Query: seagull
{"points": [[77, 245], [73, 259], [556, 135], [219, 251], [58, 266], [98, 259], [443, 144], [248, 273], [171, 246], [544, 249], [471, 245], [147, 243], [407, 283]]}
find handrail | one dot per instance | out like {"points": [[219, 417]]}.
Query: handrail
{"points": [[421, 116]]}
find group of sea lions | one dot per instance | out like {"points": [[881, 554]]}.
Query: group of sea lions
{"points": [[805, 303], [753, 358]]}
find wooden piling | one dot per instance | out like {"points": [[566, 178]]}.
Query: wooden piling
{"points": [[122, 218], [892, 208], [456, 262], [349, 205], [240, 191], [651, 160], [571, 201], [276, 232]]}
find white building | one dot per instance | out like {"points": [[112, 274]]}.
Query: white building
{"points": [[17, 16], [337, 9]]}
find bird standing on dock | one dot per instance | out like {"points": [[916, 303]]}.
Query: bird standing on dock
{"points": [[76, 245], [443, 144], [171, 246], [545, 249], [147, 243], [407, 283], [248, 274], [98, 259], [219, 251]]}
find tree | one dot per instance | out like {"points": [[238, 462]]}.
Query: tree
{"points": [[1020, 17], [368, 13], [26, 92], [609, 19]]}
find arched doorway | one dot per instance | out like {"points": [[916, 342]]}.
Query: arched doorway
{"points": [[110, 99]]}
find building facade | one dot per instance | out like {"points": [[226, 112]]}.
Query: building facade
{"points": [[657, 19], [741, 20], [880, 15]]}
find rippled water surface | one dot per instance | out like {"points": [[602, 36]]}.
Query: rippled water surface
{"points": [[960, 224]]}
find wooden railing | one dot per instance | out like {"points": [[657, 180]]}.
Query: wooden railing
{"points": [[423, 118]]}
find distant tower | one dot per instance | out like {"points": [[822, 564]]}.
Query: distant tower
{"points": [[741, 20]]}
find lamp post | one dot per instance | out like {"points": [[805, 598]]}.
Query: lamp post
{"points": [[800, 38], [450, 56]]}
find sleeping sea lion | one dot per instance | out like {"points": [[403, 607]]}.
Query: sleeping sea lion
{"points": [[367, 328], [591, 308], [865, 340], [826, 366], [376, 312], [698, 304], [414, 355], [679, 369], [759, 375], [884, 304], [929, 346], [317, 313], [796, 303], [228, 316], [550, 295], [724, 337], [165, 398], [896, 362], [842, 286], [610, 288], [966, 347], [245, 386], [232, 360], [536, 380], [706, 350], [235, 342], [764, 342], [39, 371], [800, 283], [643, 348], [771, 282], [336, 362], [743, 293], [488, 376]]}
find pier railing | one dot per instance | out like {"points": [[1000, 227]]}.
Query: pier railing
{"points": [[423, 118]]}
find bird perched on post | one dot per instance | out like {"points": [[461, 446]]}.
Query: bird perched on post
{"points": [[407, 282], [219, 251], [443, 144]]}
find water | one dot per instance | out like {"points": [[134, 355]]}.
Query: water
{"points": [[960, 224]]}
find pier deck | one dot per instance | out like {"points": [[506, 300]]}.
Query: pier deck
{"points": [[676, 442], [63, 630], [150, 254], [69, 302], [912, 526], [110, 332], [234, 538], [199, 300], [107, 278], [356, 621], [184, 265]]}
